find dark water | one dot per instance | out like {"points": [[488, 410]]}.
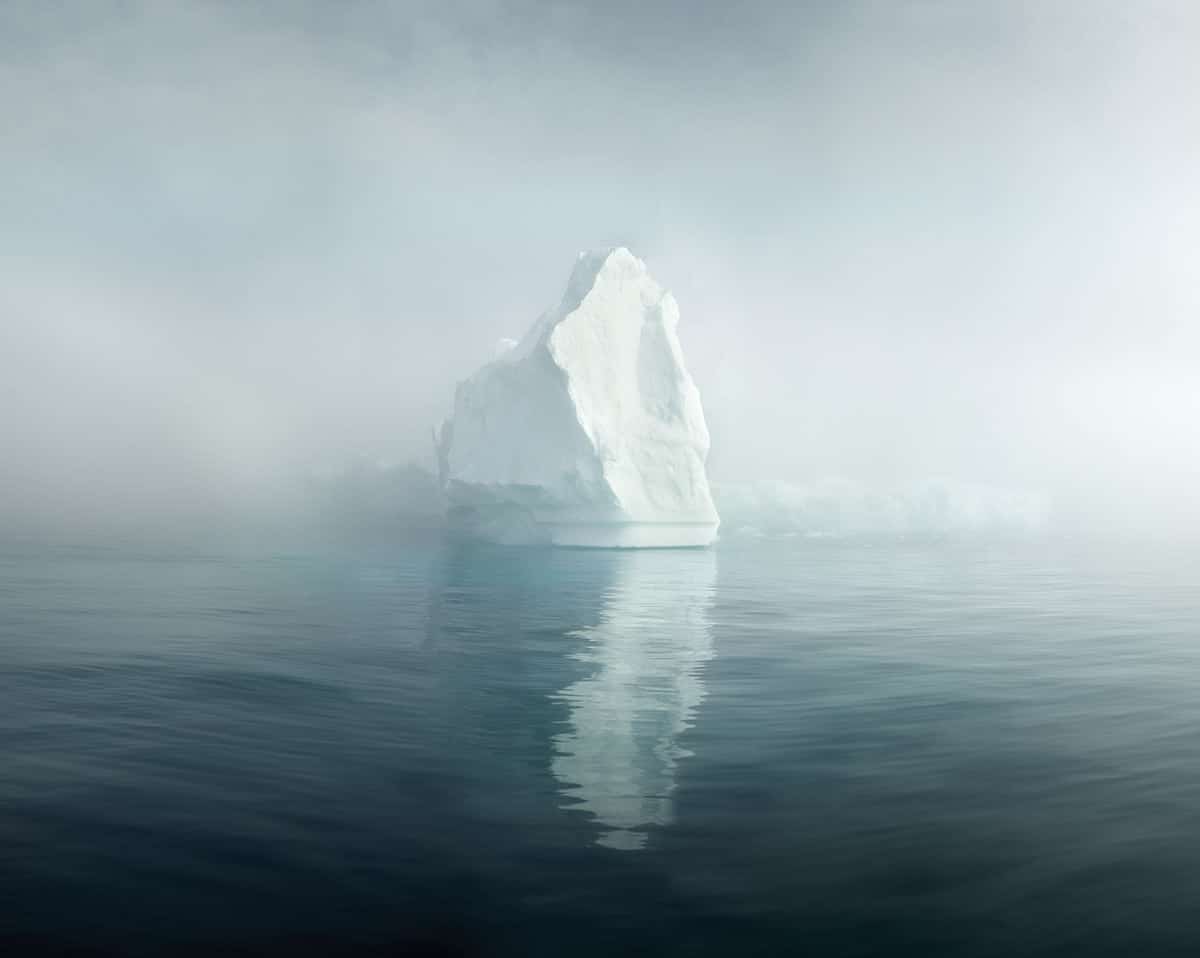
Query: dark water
{"points": [[770, 748]]}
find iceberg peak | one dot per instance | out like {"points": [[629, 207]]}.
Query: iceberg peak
{"points": [[589, 430]]}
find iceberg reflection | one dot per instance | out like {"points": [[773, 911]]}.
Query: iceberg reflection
{"points": [[619, 756]]}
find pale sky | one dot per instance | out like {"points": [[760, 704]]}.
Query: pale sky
{"points": [[909, 238]]}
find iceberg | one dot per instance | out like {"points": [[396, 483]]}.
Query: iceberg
{"points": [[589, 430]]}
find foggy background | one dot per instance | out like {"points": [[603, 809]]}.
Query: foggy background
{"points": [[243, 241]]}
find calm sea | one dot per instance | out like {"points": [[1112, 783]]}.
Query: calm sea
{"points": [[770, 748]]}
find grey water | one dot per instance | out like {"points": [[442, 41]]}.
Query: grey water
{"points": [[771, 747]]}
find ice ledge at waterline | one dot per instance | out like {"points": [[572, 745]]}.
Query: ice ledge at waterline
{"points": [[589, 430]]}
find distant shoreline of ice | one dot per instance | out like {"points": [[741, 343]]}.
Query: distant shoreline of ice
{"points": [[831, 508]]}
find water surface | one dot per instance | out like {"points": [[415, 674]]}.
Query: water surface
{"points": [[770, 747]]}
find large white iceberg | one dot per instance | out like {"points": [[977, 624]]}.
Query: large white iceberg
{"points": [[589, 430]]}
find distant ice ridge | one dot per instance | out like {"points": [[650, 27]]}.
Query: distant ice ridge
{"points": [[589, 430], [370, 497], [837, 508]]}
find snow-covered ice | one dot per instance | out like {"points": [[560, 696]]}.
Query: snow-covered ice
{"points": [[588, 431]]}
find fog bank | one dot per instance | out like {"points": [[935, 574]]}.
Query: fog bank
{"points": [[243, 244]]}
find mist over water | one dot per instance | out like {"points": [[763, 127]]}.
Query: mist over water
{"points": [[912, 242]]}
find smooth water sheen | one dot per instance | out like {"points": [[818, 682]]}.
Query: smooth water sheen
{"points": [[767, 748]]}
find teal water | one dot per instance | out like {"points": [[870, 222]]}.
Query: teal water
{"points": [[771, 747]]}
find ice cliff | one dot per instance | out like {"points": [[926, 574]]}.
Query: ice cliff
{"points": [[589, 430]]}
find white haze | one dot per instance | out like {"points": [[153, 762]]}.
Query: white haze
{"points": [[240, 241]]}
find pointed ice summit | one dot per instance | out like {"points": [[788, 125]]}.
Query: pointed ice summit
{"points": [[589, 430]]}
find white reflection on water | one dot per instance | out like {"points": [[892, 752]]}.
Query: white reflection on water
{"points": [[618, 760]]}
